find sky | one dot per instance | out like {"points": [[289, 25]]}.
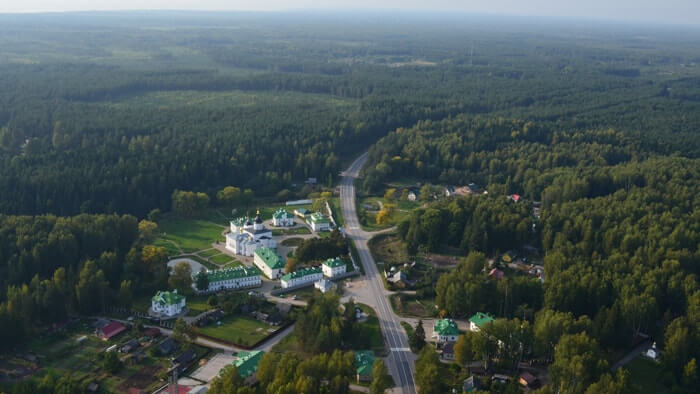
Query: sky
{"points": [[658, 11]]}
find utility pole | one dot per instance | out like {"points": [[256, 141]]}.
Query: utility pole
{"points": [[172, 380]]}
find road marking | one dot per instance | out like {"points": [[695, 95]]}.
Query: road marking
{"points": [[400, 349]]}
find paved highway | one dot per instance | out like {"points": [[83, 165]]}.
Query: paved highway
{"points": [[401, 361]]}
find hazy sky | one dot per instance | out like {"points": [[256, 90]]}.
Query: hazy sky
{"points": [[662, 11]]}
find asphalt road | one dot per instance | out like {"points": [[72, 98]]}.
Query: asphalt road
{"points": [[401, 361]]}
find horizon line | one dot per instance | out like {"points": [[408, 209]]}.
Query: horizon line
{"points": [[342, 10]]}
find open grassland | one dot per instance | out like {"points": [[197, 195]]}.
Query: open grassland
{"points": [[388, 249], [221, 259], [237, 329], [368, 216], [190, 235]]}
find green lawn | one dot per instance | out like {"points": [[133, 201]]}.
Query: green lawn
{"points": [[197, 305], [171, 249], [646, 375], [337, 212], [368, 218], [408, 328], [372, 330], [221, 259], [190, 234], [237, 329], [209, 253], [298, 230]]}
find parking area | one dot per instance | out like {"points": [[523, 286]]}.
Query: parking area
{"points": [[208, 371]]}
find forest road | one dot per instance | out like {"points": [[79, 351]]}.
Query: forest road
{"points": [[401, 361]]}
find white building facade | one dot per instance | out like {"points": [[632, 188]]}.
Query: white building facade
{"points": [[232, 278], [301, 277], [268, 262], [282, 218], [318, 222], [247, 235], [168, 303], [333, 267]]}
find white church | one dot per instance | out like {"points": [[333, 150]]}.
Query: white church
{"points": [[247, 235]]}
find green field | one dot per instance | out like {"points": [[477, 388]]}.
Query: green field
{"points": [[368, 218], [291, 231], [209, 253], [190, 235], [197, 305], [221, 259], [171, 249], [237, 329], [388, 249]]}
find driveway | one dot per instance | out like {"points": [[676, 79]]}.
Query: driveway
{"points": [[195, 266]]}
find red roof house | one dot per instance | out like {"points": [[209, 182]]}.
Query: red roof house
{"points": [[110, 330], [515, 197]]}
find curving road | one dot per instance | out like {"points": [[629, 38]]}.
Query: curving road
{"points": [[401, 361]]}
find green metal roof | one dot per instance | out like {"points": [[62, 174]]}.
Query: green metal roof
{"points": [[241, 221], [334, 262], [230, 273], [318, 218], [281, 213], [480, 319], [446, 327], [167, 298], [270, 258], [364, 361], [247, 362], [301, 273]]}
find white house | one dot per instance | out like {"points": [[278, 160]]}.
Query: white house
{"points": [[168, 303], [301, 277], [232, 278], [324, 285], [282, 218], [445, 330], [478, 321], [318, 222], [268, 262], [333, 267], [247, 235]]}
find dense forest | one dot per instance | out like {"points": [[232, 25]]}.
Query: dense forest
{"points": [[619, 229], [143, 111], [107, 117]]}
